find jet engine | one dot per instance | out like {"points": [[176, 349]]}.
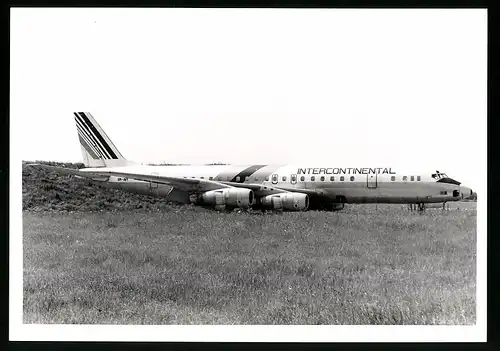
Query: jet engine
{"points": [[286, 201], [229, 197]]}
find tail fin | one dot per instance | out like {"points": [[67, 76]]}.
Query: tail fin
{"points": [[97, 149]]}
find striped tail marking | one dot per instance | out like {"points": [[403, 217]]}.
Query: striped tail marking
{"points": [[92, 140]]}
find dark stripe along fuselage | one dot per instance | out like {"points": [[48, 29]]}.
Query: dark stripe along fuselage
{"points": [[240, 174], [247, 172]]}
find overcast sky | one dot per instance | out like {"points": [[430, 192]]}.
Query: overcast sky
{"points": [[337, 88]]}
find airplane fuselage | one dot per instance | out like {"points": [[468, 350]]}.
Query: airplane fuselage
{"points": [[324, 186]]}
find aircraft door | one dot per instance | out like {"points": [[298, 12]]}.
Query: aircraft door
{"points": [[371, 181]]}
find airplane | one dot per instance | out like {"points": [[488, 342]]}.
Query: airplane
{"points": [[258, 186]]}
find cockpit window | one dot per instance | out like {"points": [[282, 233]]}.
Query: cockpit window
{"points": [[443, 178], [439, 175], [449, 181]]}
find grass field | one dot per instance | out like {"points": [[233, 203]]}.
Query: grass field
{"points": [[368, 264], [96, 255]]}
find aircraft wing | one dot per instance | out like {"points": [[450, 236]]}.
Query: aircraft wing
{"points": [[188, 184]]}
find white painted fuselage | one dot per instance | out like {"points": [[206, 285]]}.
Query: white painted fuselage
{"points": [[386, 185]]}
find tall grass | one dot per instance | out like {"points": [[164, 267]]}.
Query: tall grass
{"points": [[366, 265]]}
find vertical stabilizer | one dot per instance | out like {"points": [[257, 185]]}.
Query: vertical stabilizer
{"points": [[97, 149]]}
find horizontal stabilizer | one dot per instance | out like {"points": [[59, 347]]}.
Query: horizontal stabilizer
{"points": [[70, 171]]}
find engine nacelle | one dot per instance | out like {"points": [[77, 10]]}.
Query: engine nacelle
{"points": [[229, 197], [286, 201]]}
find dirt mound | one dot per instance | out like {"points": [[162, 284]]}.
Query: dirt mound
{"points": [[45, 190]]}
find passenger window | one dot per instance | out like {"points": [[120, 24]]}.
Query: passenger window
{"points": [[238, 178], [393, 178], [267, 178], [219, 178], [443, 193], [274, 178], [283, 178], [332, 178], [405, 178], [313, 178], [322, 178], [412, 178], [210, 178], [302, 178], [202, 177], [418, 178], [293, 178], [352, 178], [341, 178], [256, 178]]}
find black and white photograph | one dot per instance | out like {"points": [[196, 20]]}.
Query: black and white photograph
{"points": [[248, 174]]}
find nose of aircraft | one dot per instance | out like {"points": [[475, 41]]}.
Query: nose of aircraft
{"points": [[465, 192]]}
